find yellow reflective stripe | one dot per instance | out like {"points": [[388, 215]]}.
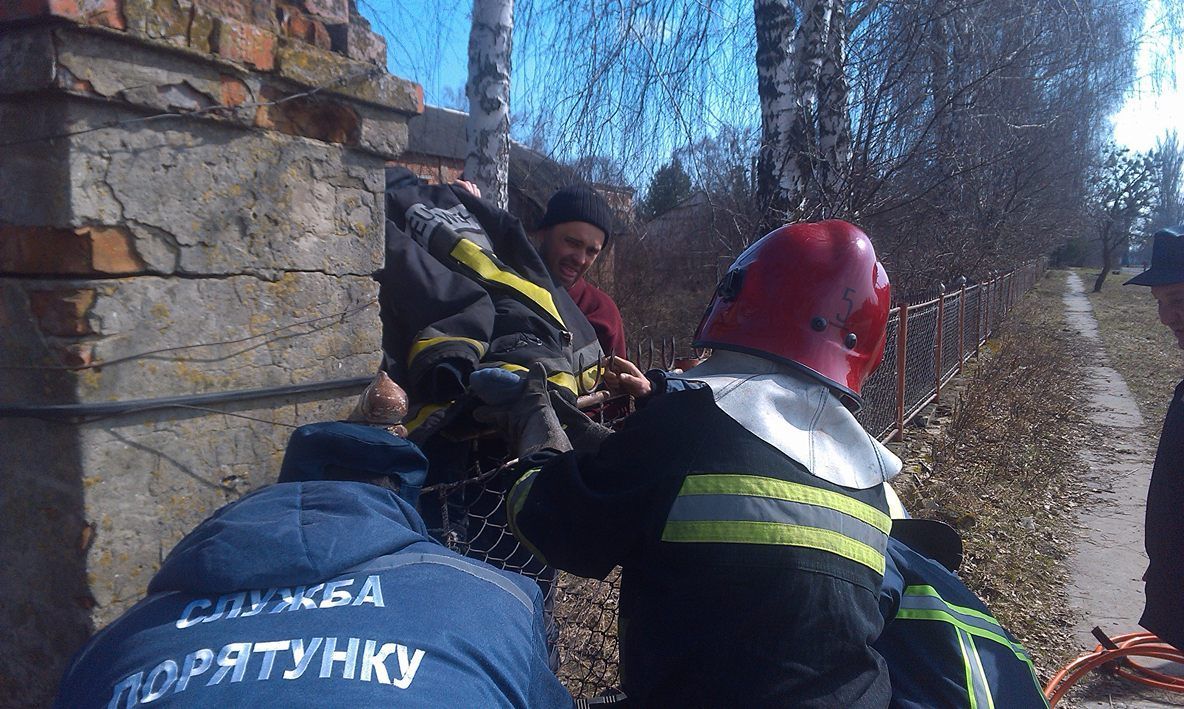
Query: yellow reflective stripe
{"points": [[980, 673], [753, 532], [421, 345], [563, 379], [946, 617], [970, 693], [424, 412], [517, 497], [757, 486], [472, 256]]}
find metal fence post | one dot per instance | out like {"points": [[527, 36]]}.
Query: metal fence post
{"points": [[902, 339], [941, 316], [990, 285], [961, 323]]}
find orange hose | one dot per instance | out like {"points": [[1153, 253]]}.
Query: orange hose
{"points": [[1128, 646]]}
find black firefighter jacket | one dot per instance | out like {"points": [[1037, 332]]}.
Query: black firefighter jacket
{"points": [[745, 580], [463, 287]]}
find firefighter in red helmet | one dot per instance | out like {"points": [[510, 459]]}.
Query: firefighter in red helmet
{"points": [[745, 507]]}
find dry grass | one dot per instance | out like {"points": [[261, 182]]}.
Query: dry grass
{"points": [[998, 466], [1142, 350]]}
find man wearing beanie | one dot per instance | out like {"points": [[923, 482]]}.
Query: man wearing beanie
{"points": [[324, 590], [575, 229]]}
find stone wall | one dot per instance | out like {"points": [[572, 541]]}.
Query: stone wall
{"points": [[190, 203]]}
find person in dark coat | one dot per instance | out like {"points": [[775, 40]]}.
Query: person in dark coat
{"points": [[1164, 612], [323, 590], [748, 516], [942, 645]]}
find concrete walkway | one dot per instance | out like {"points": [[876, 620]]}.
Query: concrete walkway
{"points": [[1108, 561]]}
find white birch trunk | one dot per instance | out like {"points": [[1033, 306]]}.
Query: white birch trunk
{"points": [[834, 113], [488, 90], [779, 182], [809, 51]]}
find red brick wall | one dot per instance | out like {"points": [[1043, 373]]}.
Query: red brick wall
{"points": [[247, 32]]}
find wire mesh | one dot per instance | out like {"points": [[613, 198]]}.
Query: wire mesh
{"points": [[951, 350], [879, 391], [470, 516], [920, 372]]}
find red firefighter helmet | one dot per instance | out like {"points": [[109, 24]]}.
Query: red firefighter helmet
{"points": [[811, 295]]}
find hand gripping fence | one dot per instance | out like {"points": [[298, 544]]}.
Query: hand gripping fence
{"points": [[928, 345]]}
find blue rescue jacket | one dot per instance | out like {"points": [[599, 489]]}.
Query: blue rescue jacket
{"points": [[942, 646], [320, 594]]}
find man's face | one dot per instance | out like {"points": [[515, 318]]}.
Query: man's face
{"points": [[1171, 308], [569, 249]]}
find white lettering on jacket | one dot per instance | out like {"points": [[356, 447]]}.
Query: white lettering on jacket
{"points": [[244, 604], [357, 659]]}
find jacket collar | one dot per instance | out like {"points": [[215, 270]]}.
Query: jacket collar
{"points": [[798, 416]]}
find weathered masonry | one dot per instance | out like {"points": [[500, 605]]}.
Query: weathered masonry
{"points": [[190, 210]]}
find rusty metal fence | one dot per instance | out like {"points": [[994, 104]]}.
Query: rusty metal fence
{"points": [[928, 344]]}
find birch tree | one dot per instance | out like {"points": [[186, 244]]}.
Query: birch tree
{"points": [[779, 177], [488, 90]]}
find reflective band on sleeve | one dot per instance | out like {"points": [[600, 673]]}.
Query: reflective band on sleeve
{"points": [[924, 603], [514, 502], [421, 345], [472, 256], [776, 533], [752, 509], [758, 486], [749, 508], [978, 691]]}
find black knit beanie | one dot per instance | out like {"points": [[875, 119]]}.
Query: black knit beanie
{"points": [[579, 203]]}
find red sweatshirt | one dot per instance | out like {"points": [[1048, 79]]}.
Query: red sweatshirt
{"points": [[602, 312]]}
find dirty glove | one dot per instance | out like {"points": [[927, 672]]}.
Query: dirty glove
{"points": [[520, 408], [585, 434]]}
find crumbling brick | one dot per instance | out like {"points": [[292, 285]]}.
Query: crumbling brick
{"points": [[256, 12], [357, 42], [159, 19], [332, 12], [234, 92], [105, 13], [245, 43], [317, 118], [53, 251], [63, 312], [297, 25], [201, 31]]}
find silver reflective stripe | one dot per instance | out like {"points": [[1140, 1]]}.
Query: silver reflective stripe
{"points": [[978, 691], [689, 508], [912, 600], [462, 564]]}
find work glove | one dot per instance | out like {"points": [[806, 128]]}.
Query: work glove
{"points": [[520, 408], [585, 434]]}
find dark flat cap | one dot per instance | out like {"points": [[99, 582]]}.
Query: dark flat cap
{"points": [[1167, 259]]}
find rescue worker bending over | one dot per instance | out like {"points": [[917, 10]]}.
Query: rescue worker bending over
{"points": [[323, 590], [748, 516], [942, 645]]}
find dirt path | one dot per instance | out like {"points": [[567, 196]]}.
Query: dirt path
{"points": [[1108, 561]]}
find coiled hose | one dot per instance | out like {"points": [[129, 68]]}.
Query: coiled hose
{"points": [[1117, 654]]}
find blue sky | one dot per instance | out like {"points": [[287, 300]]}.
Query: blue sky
{"points": [[430, 47]]}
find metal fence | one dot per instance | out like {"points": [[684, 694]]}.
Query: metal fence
{"points": [[928, 344]]}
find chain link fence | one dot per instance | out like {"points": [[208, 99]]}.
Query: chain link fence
{"points": [[927, 345]]}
